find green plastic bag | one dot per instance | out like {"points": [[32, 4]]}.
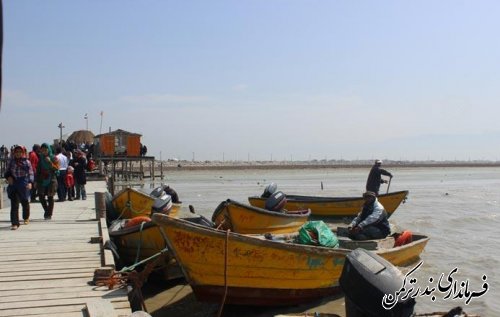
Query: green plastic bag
{"points": [[317, 233]]}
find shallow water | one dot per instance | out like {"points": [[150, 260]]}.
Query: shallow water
{"points": [[458, 208]]}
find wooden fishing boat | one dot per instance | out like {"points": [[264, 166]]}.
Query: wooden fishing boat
{"points": [[252, 270], [335, 206], [139, 242], [130, 203], [246, 219], [143, 240]]}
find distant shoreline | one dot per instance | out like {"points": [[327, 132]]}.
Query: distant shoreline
{"points": [[188, 165]]}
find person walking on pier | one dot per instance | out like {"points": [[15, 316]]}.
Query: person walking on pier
{"points": [[375, 177], [46, 179], [33, 157], [80, 164], [19, 175], [63, 166]]}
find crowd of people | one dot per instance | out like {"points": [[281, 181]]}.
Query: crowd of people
{"points": [[44, 172]]}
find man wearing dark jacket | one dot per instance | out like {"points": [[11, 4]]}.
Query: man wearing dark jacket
{"points": [[375, 177]]}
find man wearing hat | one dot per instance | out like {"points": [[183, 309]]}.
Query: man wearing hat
{"points": [[375, 177], [371, 222]]}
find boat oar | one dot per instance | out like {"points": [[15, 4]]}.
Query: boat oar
{"points": [[389, 185]]}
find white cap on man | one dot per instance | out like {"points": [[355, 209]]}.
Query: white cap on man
{"points": [[378, 162]]}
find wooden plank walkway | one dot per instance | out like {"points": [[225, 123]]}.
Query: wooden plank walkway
{"points": [[46, 266]]}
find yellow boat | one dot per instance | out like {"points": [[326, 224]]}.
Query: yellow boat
{"points": [[251, 270], [130, 203], [138, 242], [247, 219], [335, 206]]}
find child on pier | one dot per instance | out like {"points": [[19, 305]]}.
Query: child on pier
{"points": [[69, 181]]}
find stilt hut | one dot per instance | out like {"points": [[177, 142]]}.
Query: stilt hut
{"points": [[118, 143]]}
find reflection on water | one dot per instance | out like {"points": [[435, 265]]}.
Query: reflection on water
{"points": [[457, 207]]}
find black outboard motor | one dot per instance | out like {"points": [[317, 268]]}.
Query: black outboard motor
{"points": [[162, 204], [366, 278], [170, 191], [269, 190], [276, 201]]}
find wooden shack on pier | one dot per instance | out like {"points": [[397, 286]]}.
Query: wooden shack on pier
{"points": [[118, 155], [118, 143]]}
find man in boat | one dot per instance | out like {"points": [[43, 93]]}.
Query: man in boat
{"points": [[375, 177], [371, 222]]}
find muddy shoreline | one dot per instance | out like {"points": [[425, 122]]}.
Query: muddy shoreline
{"points": [[175, 298]]}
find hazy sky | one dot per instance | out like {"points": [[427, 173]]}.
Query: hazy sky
{"points": [[287, 79]]}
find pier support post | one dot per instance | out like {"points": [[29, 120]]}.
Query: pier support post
{"points": [[111, 185], [1, 196], [153, 168], [100, 205], [161, 170]]}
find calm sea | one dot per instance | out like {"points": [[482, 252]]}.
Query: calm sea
{"points": [[458, 208]]}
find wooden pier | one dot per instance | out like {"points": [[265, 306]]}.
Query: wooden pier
{"points": [[47, 266]]}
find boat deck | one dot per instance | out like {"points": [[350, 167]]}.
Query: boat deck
{"points": [[47, 267]]}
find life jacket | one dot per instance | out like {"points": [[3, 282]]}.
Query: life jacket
{"points": [[404, 238]]}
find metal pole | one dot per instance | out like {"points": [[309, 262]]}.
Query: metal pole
{"points": [[100, 127], [60, 126]]}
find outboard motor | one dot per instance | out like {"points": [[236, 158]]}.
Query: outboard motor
{"points": [[269, 190], [157, 192], [170, 191], [276, 201], [366, 278], [163, 202]]}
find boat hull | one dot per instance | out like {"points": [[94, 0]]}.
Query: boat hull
{"points": [[257, 271], [130, 203], [405, 254], [136, 244], [262, 296], [245, 219], [335, 206]]}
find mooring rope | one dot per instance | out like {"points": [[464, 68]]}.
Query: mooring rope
{"points": [[140, 242]]}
